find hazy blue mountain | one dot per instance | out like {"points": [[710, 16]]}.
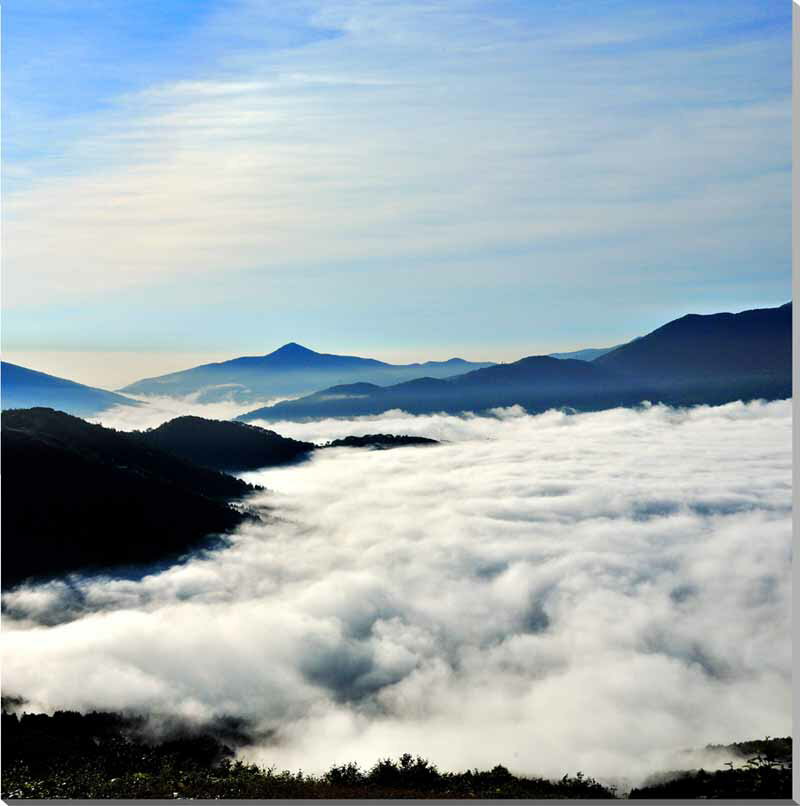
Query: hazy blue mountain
{"points": [[290, 370], [536, 381], [587, 354], [110, 498], [22, 388], [696, 359]]}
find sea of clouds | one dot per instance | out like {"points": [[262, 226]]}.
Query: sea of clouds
{"points": [[552, 592]]}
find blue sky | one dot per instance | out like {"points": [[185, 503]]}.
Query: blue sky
{"points": [[408, 180]]}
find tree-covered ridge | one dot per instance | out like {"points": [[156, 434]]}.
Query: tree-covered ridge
{"points": [[236, 446], [760, 769], [224, 445], [101, 755], [380, 441], [110, 499], [105, 755]]}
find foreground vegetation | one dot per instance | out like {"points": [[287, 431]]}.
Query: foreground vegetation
{"points": [[99, 755], [767, 773]]}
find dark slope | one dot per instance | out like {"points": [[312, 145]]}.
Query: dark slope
{"points": [[759, 769], [224, 445], [290, 370], [79, 496], [754, 344], [23, 388], [695, 359]]}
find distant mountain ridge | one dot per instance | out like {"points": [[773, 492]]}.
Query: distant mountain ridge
{"points": [[754, 343], [289, 370], [22, 388], [695, 359]]}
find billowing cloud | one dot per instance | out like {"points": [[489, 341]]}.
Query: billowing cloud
{"points": [[552, 592]]}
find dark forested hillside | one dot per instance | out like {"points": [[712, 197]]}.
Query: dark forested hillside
{"points": [[224, 445], [79, 496], [379, 441]]}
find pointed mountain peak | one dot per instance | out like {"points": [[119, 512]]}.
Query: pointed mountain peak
{"points": [[293, 348]]}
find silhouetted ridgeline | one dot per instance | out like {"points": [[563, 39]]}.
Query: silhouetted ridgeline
{"points": [[230, 445], [224, 445], [78, 496], [696, 359], [102, 755], [753, 346], [380, 441]]}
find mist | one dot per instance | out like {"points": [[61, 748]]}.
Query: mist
{"points": [[553, 592], [159, 409]]}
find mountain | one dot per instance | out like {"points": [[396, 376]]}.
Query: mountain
{"points": [[755, 344], [536, 382], [78, 496], [696, 359], [224, 445], [23, 388], [588, 354], [290, 370]]}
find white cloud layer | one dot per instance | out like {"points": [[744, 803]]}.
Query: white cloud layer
{"points": [[549, 592]]}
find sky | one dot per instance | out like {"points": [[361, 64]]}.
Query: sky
{"points": [[398, 179]]}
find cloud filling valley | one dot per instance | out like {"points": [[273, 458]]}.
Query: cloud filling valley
{"points": [[551, 592]]}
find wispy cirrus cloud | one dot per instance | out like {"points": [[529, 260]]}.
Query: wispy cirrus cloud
{"points": [[462, 147]]}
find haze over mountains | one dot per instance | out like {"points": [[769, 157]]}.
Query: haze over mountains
{"points": [[290, 370], [22, 388], [696, 359], [587, 354]]}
